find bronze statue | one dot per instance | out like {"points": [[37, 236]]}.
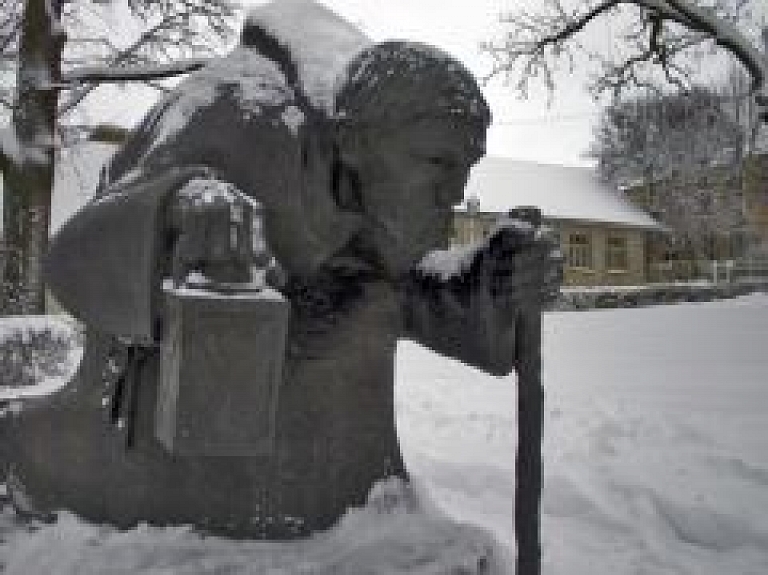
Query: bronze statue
{"points": [[350, 202]]}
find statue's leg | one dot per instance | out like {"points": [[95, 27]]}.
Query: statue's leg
{"points": [[336, 417], [336, 439]]}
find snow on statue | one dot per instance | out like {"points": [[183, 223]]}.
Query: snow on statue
{"points": [[268, 411]]}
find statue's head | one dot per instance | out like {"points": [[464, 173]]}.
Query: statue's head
{"points": [[411, 123]]}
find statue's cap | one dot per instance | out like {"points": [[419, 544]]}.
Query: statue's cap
{"points": [[404, 81]]}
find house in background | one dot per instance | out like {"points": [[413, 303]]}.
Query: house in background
{"points": [[756, 199], [604, 237]]}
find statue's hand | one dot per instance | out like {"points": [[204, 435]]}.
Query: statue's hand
{"points": [[522, 264], [214, 227]]}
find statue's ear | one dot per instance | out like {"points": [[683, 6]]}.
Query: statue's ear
{"points": [[345, 182], [346, 143]]}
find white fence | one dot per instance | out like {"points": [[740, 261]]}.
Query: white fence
{"points": [[740, 270], [747, 269]]}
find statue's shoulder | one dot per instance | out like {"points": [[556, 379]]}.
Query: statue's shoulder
{"points": [[281, 77], [311, 43], [241, 97]]}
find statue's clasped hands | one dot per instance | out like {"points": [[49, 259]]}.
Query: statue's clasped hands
{"points": [[521, 263], [214, 224]]}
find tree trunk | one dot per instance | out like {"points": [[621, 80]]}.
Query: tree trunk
{"points": [[29, 177]]}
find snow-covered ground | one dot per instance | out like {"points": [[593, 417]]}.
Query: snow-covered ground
{"points": [[656, 454], [656, 462]]}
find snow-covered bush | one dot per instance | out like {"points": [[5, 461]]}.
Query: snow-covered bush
{"points": [[608, 297], [38, 354], [26, 357]]}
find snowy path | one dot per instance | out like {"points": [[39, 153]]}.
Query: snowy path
{"points": [[656, 461]]}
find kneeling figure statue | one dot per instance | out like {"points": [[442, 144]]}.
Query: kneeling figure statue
{"points": [[248, 388]]}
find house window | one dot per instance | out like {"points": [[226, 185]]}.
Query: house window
{"points": [[653, 198], [616, 253], [579, 250]]}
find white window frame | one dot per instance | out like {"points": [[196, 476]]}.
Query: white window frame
{"points": [[580, 252], [616, 256]]}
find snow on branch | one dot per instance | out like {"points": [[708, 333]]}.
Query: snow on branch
{"points": [[174, 31], [96, 74], [722, 31], [10, 25], [662, 33]]}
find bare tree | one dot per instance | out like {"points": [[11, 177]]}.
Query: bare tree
{"points": [[678, 136], [681, 157], [27, 160], [175, 35], [654, 35]]}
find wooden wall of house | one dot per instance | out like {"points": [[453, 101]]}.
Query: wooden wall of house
{"points": [[756, 196], [617, 254]]}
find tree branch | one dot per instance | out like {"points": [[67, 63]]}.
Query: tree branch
{"points": [[720, 31], [575, 26], [11, 35], [561, 28], [536, 41], [95, 74], [156, 37]]}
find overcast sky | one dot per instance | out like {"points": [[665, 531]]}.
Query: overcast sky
{"points": [[558, 133], [522, 129], [534, 129], [528, 129]]}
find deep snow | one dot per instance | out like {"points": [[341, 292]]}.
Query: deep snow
{"points": [[656, 461], [656, 439]]}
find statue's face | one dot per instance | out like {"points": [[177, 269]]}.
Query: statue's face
{"points": [[410, 180]]}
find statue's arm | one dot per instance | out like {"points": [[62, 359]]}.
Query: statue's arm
{"points": [[105, 263], [457, 318], [471, 303]]}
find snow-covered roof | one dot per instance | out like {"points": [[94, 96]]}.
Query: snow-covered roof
{"points": [[77, 174], [560, 192]]}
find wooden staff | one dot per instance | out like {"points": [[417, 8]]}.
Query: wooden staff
{"points": [[530, 410], [530, 414]]}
